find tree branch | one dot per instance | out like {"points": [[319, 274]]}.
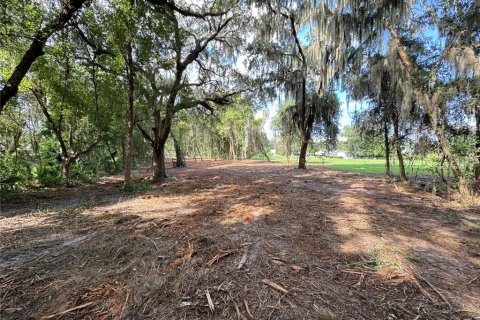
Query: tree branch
{"points": [[36, 49], [185, 12], [145, 134]]}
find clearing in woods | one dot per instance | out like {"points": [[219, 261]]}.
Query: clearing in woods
{"points": [[245, 240]]}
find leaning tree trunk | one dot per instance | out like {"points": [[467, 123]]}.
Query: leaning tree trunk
{"points": [[463, 187], [398, 146], [130, 117], [302, 160], [477, 144], [180, 163], [388, 171]]}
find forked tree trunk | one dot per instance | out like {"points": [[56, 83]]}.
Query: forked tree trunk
{"points": [[388, 171], [302, 160]]}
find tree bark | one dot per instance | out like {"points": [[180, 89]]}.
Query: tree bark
{"points": [[130, 115], [159, 172], [398, 145], [387, 148], [462, 182], [66, 162], [302, 160], [477, 144], [288, 149], [36, 50], [180, 163]]}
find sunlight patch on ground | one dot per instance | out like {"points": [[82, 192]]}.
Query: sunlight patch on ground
{"points": [[241, 213], [352, 204], [147, 207]]}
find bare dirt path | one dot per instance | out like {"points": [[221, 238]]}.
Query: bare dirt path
{"points": [[246, 240]]}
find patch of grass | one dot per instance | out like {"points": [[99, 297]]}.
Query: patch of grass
{"points": [[452, 218], [376, 166], [372, 262], [382, 257], [138, 187]]}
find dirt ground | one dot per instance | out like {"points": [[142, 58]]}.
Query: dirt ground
{"points": [[245, 240]]}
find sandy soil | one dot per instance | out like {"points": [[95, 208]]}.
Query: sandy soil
{"points": [[245, 240]]}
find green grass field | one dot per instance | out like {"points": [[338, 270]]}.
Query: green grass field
{"points": [[361, 165]]}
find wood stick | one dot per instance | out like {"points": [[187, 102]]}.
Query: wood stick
{"points": [[210, 302], [275, 286], [68, 310]]}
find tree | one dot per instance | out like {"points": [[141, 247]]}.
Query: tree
{"points": [[35, 49], [425, 77], [188, 47]]}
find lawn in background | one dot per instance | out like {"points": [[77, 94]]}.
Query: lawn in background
{"points": [[360, 165]]}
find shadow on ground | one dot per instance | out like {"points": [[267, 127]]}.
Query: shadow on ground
{"points": [[243, 240]]}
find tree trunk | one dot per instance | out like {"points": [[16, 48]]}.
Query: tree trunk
{"points": [[288, 149], [462, 182], [130, 119], [246, 142], [66, 169], [159, 172], [302, 161], [401, 165], [180, 163], [398, 146], [477, 144], [387, 149]]}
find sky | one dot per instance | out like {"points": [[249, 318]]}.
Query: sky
{"points": [[346, 109]]}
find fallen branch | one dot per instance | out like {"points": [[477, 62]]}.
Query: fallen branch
{"points": [[434, 289], [422, 290]]}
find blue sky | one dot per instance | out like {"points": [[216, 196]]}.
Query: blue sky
{"points": [[346, 109]]}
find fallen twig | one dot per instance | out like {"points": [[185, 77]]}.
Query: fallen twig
{"points": [[435, 289], [219, 256], [248, 309], [210, 302], [422, 290], [145, 237], [188, 254], [275, 286], [242, 260], [68, 310]]}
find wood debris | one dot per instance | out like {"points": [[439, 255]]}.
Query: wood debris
{"points": [[210, 302], [275, 286], [68, 310], [248, 309], [219, 256], [242, 260]]}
